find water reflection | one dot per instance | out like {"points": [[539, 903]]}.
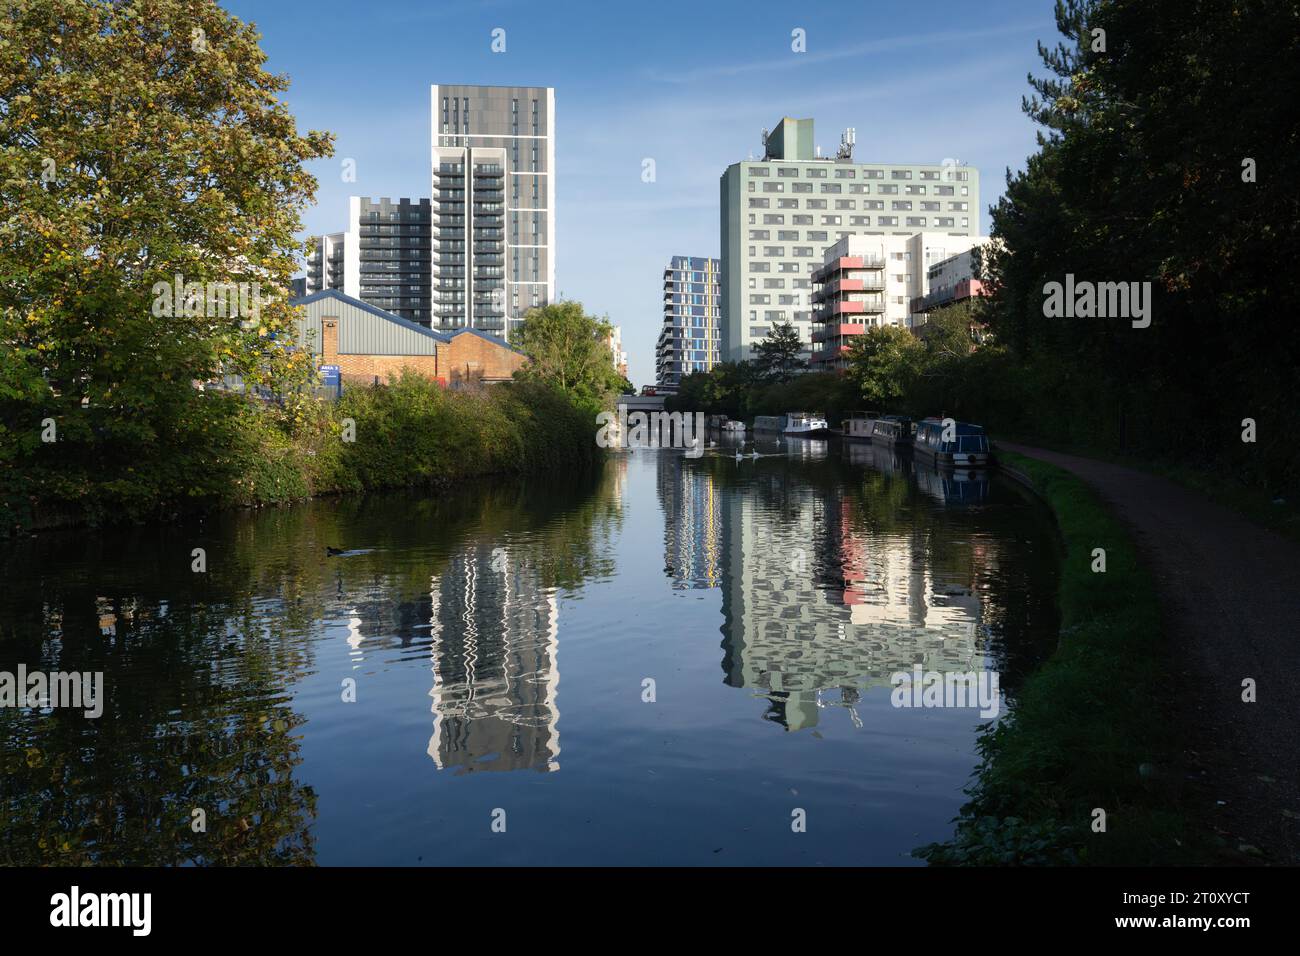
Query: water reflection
{"points": [[201, 670], [782, 589], [493, 656], [829, 587]]}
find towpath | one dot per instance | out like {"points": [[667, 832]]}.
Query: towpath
{"points": [[1230, 597]]}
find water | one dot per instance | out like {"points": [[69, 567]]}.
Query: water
{"points": [[502, 641]]}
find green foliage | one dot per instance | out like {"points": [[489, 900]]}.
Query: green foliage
{"points": [[139, 141], [1140, 176], [779, 356], [884, 362], [569, 350]]}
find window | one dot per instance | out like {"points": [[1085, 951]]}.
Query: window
{"points": [[776, 252], [759, 234], [787, 204], [758, 171], [873, 174], [888, 190], [831, 221], [903, 205], [756, 203], [846, 204], [801, 188], [773, 219], [900, 174], [859, 188], [916, 221], [816, 173], [788, 235], [832, 188], [929, 174], [914, 190], [845, 173], [773, 187], [787, 171]]}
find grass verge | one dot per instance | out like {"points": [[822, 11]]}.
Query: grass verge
{"points": [[1088, 731]]}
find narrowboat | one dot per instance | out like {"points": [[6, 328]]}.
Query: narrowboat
{"points": [[892, 430], [951, 442], [857, 427]]}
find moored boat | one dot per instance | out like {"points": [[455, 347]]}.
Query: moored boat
{"points": [[894, 430], [950, 442], [805, 424], [857, 427]]}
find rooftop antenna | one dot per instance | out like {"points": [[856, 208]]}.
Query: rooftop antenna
{"points": [[847, 139], [764, 138]]}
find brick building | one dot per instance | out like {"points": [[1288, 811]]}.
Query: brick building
{"points": [[368, 344]]}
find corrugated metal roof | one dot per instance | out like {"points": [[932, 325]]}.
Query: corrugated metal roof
{"points": [[363, 329]]}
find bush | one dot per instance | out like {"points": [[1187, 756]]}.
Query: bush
{"points": [[411, 432]]}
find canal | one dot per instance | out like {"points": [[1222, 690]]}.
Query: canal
{"points": [[676, 661]]}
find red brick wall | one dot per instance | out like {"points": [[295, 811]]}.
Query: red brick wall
{"points": [[470, 358], [362, 369]]}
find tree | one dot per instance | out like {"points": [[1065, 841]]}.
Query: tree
{"points": [[1158, 122], [569, 350], [780, 354], [140, 141], [948, 332], [883, 361]]}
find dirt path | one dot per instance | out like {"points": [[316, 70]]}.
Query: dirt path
{"points": [[1230, 595]]}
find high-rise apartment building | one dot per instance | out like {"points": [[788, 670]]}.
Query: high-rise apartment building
{"points": [[867, 281], [480, 252], [383, 258], [779, 215], [493, 208], [690, 339]]}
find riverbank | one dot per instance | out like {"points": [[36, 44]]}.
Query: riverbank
{"points": [[1228, 593], [411, 433], [1090, 730]]}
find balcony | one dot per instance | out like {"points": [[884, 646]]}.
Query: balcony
{"points": [[847, 263], [835, 330]]}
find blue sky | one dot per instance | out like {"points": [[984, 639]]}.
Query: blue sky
{"points": [[689, 85]]}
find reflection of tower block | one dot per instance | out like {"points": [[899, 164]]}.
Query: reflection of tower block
{"points": [[493, 649]]}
